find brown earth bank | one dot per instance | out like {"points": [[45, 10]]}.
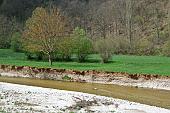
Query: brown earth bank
{"points": [[119, 78]]}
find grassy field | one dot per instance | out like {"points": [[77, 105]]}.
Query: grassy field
{"points": [[120, 63]]}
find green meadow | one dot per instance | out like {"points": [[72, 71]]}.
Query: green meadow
{"points": [[119, 63]]}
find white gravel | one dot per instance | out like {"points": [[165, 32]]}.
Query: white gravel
{"points": [[28, 99], [153, 84]]}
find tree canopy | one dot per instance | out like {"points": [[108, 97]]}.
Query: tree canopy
{"points": [[43, 30]]}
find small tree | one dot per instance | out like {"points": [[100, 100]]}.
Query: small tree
{"points": [[66, 47], [105, 47], [43, 31], [145, 47], [122, 45], [83, 45], [166, 49], [16, 42], [6, 30]]}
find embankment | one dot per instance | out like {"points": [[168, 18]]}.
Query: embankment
{"points": [[91, 76]]}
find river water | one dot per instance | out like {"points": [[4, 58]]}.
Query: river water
{"points": [[159, 98]]}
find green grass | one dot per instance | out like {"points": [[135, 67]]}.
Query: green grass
{"points": [[120, 63]]}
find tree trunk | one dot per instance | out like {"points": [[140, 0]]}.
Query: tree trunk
{"points": [[50, 60], [169, 17], [129, 22]]}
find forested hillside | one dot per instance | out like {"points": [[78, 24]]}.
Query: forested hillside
{"points": [[139, 27]]}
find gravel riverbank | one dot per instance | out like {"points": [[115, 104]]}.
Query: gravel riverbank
{"points": [[23, 99]]}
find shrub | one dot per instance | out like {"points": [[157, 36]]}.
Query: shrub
{"points": [[82, 44], [166, 49], [105, 47], [121, 45], [29, 55], [145, 47], [66, 77], [35, 55], [15, 42]]}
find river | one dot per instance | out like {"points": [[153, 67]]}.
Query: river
{"points": [[159, 98]]}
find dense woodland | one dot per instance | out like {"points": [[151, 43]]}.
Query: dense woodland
{"points": [[82, 27]]}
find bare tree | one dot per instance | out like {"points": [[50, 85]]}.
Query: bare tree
{"points": [[7, 27]]}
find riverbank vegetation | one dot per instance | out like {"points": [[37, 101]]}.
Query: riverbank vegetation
{"points": [[119, 63], [125, 36]]}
